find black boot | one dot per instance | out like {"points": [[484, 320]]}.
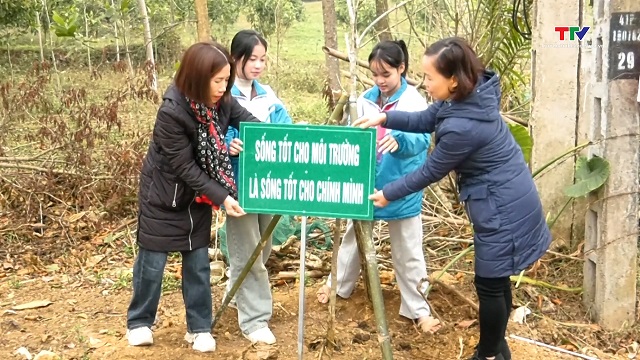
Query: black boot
{"points": [[505, 352]]}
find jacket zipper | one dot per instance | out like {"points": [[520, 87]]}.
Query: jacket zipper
{"points": [[175, 194], [191, 221]]}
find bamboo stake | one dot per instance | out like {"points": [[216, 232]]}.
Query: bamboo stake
{"points": [[247, 267], [364, 238], [336, 115], [364, 229]]}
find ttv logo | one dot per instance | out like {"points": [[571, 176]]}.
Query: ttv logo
{"points": [[573, 30]]}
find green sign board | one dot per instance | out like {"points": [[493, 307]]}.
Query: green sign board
{"points": [[308, 170]]}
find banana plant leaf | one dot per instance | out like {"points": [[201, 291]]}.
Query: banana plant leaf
{"points": [[521, 134], [590, 175]]}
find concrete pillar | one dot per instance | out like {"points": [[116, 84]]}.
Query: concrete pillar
{"points": [[585, 103], [554, 105], [611, 222]]}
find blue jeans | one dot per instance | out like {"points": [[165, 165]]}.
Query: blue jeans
{"points": [[147, 286]]}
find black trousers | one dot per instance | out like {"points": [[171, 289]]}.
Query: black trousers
{"points": [[495, 306]]}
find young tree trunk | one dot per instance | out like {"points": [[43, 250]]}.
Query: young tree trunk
{"points": [[53, 55], [115, 32], [202, 16], [329, 20], [278, 43], [382, 27], [172, 11], [142, 6], [10, 64], [126, 47], [39, 24], [86, 34]]}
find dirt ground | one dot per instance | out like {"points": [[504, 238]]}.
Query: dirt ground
{"points": [[87, 316]]}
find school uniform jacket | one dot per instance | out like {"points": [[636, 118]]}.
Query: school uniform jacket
{"points": [[265, 106], [411, 153]]}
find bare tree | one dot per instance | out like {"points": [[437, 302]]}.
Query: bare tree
{"points": [[51, 44], [115, 31], [39, 24], [382, 26], [86, 34], [330, 22], [148, 42], [202, 16]]}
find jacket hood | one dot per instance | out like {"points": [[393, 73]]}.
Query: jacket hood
{"points": [[482, 104]]}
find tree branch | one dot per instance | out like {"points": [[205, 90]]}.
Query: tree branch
{"points": [[30, 158], [374, 22], [54, 171]]}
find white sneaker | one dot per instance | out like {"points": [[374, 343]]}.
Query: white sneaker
{"points": [[263, 335], [140, 336], [202, 342]]}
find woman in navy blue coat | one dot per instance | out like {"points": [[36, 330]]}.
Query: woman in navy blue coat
{"points": [[496, 187]]}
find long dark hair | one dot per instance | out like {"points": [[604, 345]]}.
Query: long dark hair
{"points": [[243, 43]]}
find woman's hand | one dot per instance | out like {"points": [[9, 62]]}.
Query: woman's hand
{"points": [[233, 207], [370, 121], [388, 144], [378, 199], [235, 147]]}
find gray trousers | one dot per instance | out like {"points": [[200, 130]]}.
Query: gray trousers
{"points": [[408, 262], [253, 298]]}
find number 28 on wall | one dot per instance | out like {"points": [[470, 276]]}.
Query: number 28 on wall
{"points": [[626, 60]]}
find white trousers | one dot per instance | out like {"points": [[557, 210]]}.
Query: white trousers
{"points": [[408, 262]]}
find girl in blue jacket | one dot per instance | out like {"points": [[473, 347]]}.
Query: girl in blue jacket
{"points": [[253, 299], [399, 153], [500, 197]]}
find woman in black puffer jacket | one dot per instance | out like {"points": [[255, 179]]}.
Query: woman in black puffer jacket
{"points": [[186, 172]]}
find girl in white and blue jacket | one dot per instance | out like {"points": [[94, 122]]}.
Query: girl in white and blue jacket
{"points": [[253, 299], [399, 153]]}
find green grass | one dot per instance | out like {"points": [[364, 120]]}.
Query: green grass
{"points": [[295, 70]]}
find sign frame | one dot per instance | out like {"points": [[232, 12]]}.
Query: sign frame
{"points": [[367, 160]]}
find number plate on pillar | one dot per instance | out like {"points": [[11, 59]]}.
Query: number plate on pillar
{"points": [[624, 46]]}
